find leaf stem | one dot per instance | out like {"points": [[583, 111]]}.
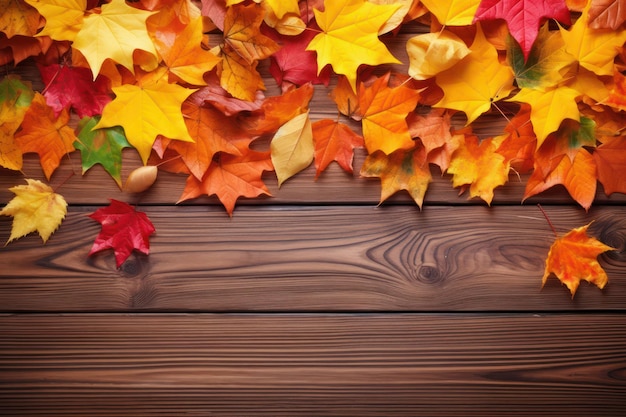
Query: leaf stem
{"points": [[548, 220]]}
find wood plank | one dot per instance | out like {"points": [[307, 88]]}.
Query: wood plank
{"points": [[315, 259], [365, 365]]}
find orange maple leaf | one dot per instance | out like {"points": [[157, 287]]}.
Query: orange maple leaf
{"points": [[573, 258], [18, 18], [230, 177], [610, 160], [42, 132], [401, 170], [334, 141], [478, 164], [520, 141], [433, 128], [242, 32], [385, 111]]}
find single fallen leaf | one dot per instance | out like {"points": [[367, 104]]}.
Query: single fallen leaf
{"points": [[334, 141], [452, 12], [349, 36], [476, 81], [114, 34], [185, 57], [573, 257], [523, 17], [479, 165], [549, 108], [230, 177], [432, 53], [35, 207], [607, 14], [45, 134], [404, 169], [123, 230], [595, 49], [156, 111], [64, 18], [18, 18], [73, 87], [101, 146], [292, 147], [385, 111], [610, 160]]}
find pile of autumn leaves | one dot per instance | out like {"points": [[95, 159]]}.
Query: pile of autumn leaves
{"points": [[146, 75]]}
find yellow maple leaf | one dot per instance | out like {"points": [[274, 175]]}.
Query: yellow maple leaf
{"points": [[284, 16], [549, 108], [239, 77], [64, 18], [595, 49], [573, 257], [476, 81], [114, 34], [292, 147], [480, 165], [242, 32], [404, 169], [156, 110], [453, 12], [35, 207], [349, 37]]}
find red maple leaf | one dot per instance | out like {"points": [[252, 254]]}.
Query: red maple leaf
{"points": [[68, 86], [123, 229], [523, 17]]}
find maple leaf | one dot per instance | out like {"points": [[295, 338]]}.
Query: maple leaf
{"points": [[123, 230], [384, 118], [292, 147], [480, 165], [476, 81], [606, 14], [293, 63], [553, 167], [595, 49], [18, 18], [549, 108], [68, 86], [523, 17], [432, 53], [610, 160], [45, 134], [334, 141], [452, 12], [157, 111], [184, 56], [617, 95], [64, 18], [349, 36], [212, 133], [214, 94], [404, 169], [520, 142], [114, 34], [546, 64], [101, 146], [239, 77], [35, 207], [573, 257], [242, 33], [433, 129], [230, 177]]}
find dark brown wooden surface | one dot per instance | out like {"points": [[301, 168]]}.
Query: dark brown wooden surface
{"points": [[315, 301]]}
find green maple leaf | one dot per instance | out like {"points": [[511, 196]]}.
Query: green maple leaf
{"points": [[101, 146]]}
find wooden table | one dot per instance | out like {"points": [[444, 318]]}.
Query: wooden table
{"points": [[315, 301]]}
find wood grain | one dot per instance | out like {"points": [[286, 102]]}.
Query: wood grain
{"points": [[315, 259], [365, 365]]}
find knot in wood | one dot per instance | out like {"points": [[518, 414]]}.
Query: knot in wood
{"points": [[131, 267], [429, 274]]}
